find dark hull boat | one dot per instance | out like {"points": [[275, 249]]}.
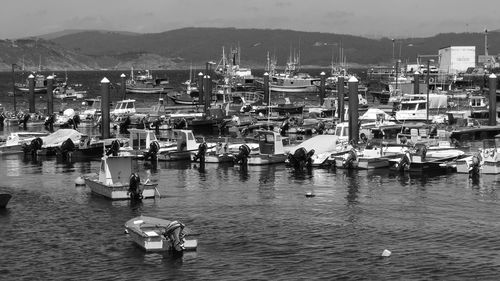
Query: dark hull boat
{"points": [[4, 199]]}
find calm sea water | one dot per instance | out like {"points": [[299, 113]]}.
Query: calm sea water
{"points": [[254, 224], [251, 224]]}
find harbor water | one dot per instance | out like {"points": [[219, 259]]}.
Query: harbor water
{"points": [[251, 224]]}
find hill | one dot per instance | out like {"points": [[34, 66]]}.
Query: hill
{"points": [[179, 48]]}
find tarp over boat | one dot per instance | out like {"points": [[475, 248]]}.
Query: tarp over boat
{"points": [[320, 144], [58, 137]]}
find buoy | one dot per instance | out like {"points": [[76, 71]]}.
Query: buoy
{"points": [[310, 194], [125, 231], [79, 181], [386, 253]]}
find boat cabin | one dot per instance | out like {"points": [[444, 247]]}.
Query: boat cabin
{"points": [[270, 142], [124, 107], [140, 139], [115, 170]]}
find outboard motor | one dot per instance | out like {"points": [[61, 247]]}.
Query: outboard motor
{"points": [[76, 121], [175, 235], [124, 126], [49, 123], [113, 150], [242, 156], [404, 163], [284, 127], [24, 120], [202, 150], [152, 153], [475, 165], [134, 189], [33, 147], [180, 124], [67, 147], [422, 151], [2, 118], [300, 158], [349, 159]]}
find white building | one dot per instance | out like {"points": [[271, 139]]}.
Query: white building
{"points": [[454, 59]]}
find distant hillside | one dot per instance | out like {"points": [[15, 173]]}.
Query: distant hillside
{"points": [[53, 35], [179, 48]]}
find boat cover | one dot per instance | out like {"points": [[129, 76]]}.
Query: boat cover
{"points": [[320, 144], [58, 137]]}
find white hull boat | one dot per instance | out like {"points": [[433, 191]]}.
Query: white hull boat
{"points": [[158, 235]]}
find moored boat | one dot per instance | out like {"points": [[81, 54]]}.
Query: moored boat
{"points": [[117, 181], [157, 235]]}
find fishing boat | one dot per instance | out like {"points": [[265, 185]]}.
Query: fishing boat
{"points": [[366, 158], [144, 83], [271, 149], [117, 181], [124, 107], [421, 158], [40, 84], [66, 92], [184, 149], [4, 199], [158, 235]]}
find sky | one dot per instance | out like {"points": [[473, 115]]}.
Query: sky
{"points": [[369, 18]]}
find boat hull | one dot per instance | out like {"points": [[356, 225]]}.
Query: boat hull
{"points": [[4, 199], [363, 163], [266, 159], [293, 89], [118, 192]]}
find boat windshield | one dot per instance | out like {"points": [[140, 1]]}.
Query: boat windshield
{"points": [[341, 131]]}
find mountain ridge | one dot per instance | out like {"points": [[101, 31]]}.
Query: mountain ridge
{"points": [[180, 48]]}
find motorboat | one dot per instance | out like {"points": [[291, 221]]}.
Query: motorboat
{"points": [[422, 157], [485, 161], [124, 107], [4, 199], [370, 157], [315, 151], [144, 83], [184, 149], [158, 235], [16, 140], [66, 92], [271, 150], [117, 181]]}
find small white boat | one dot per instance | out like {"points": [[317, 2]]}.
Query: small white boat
{"points": [[116, 180], [320, 148], [66, 92], [485, 161], [156, 235], [15, 141], [271, 150], [367, 158]]}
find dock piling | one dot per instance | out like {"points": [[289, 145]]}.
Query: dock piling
{"points": [[340, 94], [353, 110], [50, 95], [416, 83], [123, 86], [322, 88], [493, 100], [266, 88], [105, 108], [31, 87], [200, 88]]}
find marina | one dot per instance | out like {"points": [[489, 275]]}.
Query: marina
{"points": [[276, 142]]}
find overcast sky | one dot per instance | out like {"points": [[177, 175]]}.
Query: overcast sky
{"points": [[372, 18]]}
